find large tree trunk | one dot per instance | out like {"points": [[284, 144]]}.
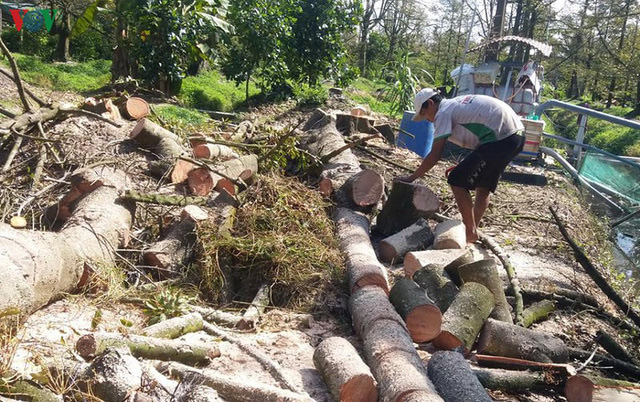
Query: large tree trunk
{"points": [[40, 267], [501, 339], [485, 273], [416, 237], [464, 318], [407, 203], [453, 378], [363, 267], [422, 316], [62, 47], [344, 372]]}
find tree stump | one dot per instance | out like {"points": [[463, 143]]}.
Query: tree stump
{"points": [[454, 379], [440, 289], [415, 237], [349, 124], [422, 316], [462, 322], [485, 273], [450, 234], [344, 372], [407, 203], [501, 339]]}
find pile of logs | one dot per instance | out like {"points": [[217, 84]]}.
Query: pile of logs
{"points": [[450, 298]]}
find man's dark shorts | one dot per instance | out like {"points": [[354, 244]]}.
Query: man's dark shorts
{"points": [[483, 167]]}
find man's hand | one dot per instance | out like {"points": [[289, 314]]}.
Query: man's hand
{"points": [[404, 179]]}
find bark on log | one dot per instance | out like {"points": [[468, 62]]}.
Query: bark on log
{"points": [[515, 381], [462, 322], [415, 260], [348, 124], [452, 268], [362, 191], [502, 339], [213, 151], [450, 234], [395, 364], [217, 317], [614, 348], [135, 108], [260, 302], [153, 137], [175, 327], [564, 297], [27, 390], [197, 393], [538, 311], [370, 305], [453, 378], [407, 203], [485, 273], [582, 388], [147, 347], [597, 277], [422, 316], [40, 267], [415, 237], [222, 175], [559, 370], [387, 132], [440, 289], [232, 389], [344, 372], [321, 138], [176, 250], [113, 375], [363, 267], [215, 200]]}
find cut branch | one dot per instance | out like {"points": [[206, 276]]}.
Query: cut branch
{"points": [[16, 75]]}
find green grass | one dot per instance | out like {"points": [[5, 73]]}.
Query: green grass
{"points": [[363, 91], [211, 91], [78, 77]]}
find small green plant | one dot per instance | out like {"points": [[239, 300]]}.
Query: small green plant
{"points": [[169, 303], [310, 95], [402, 84], [9, 326]]}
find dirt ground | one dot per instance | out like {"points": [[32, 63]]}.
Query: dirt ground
{"points": [[518, 219]]}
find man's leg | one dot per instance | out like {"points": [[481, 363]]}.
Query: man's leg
{"points": [[481, 204], [465, 205]]}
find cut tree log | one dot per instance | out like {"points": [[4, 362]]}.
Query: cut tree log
{"points": [[349, 124], [321, 138], [415, 260], [363, 267], [213, 201], [40, 267], [135, 108], [362, 191], [582, 388], [180, 170], [415, 237], [516, 381], [114, 375], [176, 250], [175, 327], [147, 347], [614, 348], [407, 203], [501, 339], [450, 234], [558, 370], [369, 305], [260, 302], [452, 268], [560, 295], [223, 175], [453, 378], [157, 139], [229, 388], [387, 132], [422, 316], [462, 322], [440, 289], [485, 273], [344, 372], [213, 151], [538, 311]]}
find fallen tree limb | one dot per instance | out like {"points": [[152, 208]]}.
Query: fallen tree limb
{"points": [[562, 370], [344, 372], [29, 92], [217, 316], [560, 295], [147, 347], [257, 307], [213, 200], [619, 366], [516, 381], [16, 76], [597, 277], [232, 389], [614, 348], [538, 311], [175, 327], [269, 364]]}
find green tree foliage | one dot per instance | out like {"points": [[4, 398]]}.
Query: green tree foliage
{"points": [[292, 40]]}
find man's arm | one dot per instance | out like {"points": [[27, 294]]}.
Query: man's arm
{"points": [[428, 162]]}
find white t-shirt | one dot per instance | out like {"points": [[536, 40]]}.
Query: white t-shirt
{"points": [[472, 120]]}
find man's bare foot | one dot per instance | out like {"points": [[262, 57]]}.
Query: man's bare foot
{"points": [[472, 236]]}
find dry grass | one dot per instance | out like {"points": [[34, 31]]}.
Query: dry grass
{"points": [[281, 236]]}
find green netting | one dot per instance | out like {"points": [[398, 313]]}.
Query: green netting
{"points": [[619, 177]]}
